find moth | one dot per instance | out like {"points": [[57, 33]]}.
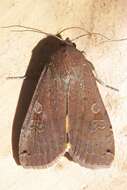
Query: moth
{"points": [[66, 113]]}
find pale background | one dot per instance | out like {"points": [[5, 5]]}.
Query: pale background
{"points": [[110, 60]]}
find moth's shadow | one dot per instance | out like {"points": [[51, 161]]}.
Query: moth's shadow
{"points": [[41, 56]]}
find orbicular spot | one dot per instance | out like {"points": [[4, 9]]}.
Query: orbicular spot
{"points": [[37, 108], [95, 108], [38, 121], [97, 124]]}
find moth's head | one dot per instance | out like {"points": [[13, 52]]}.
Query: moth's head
{"points": [[67, 40]]}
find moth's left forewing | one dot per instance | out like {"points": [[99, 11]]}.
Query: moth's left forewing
{"points": [[43, 135], [91, 135]]}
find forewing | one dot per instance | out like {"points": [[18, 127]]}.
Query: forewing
{"points": [[42, 137], [91, 135]]}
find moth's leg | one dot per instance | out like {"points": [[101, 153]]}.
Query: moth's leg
{"points": [[98, 79]]}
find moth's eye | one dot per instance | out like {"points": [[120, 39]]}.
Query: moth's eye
{"points": [[67, 39], [74, 45], [70, 42]]}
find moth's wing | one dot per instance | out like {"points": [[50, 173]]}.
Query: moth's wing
{"points": [[42, 137], [91, 135]]}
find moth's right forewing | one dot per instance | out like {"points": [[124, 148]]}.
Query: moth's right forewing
{"points": [[91, 135], [42, 137]]}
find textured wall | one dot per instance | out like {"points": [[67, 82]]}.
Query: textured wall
{"points": [[102, 16]]}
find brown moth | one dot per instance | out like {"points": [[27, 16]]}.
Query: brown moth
{"points": [[66, 109]]}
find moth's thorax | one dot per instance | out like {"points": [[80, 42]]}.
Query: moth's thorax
{"points": [[65, 64], [65, 68]]}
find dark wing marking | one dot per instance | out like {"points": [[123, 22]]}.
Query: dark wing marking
{"points": [[91, 135], [42, 137]]}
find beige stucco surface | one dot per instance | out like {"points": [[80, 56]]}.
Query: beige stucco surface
{"points": [[110, 60]]}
